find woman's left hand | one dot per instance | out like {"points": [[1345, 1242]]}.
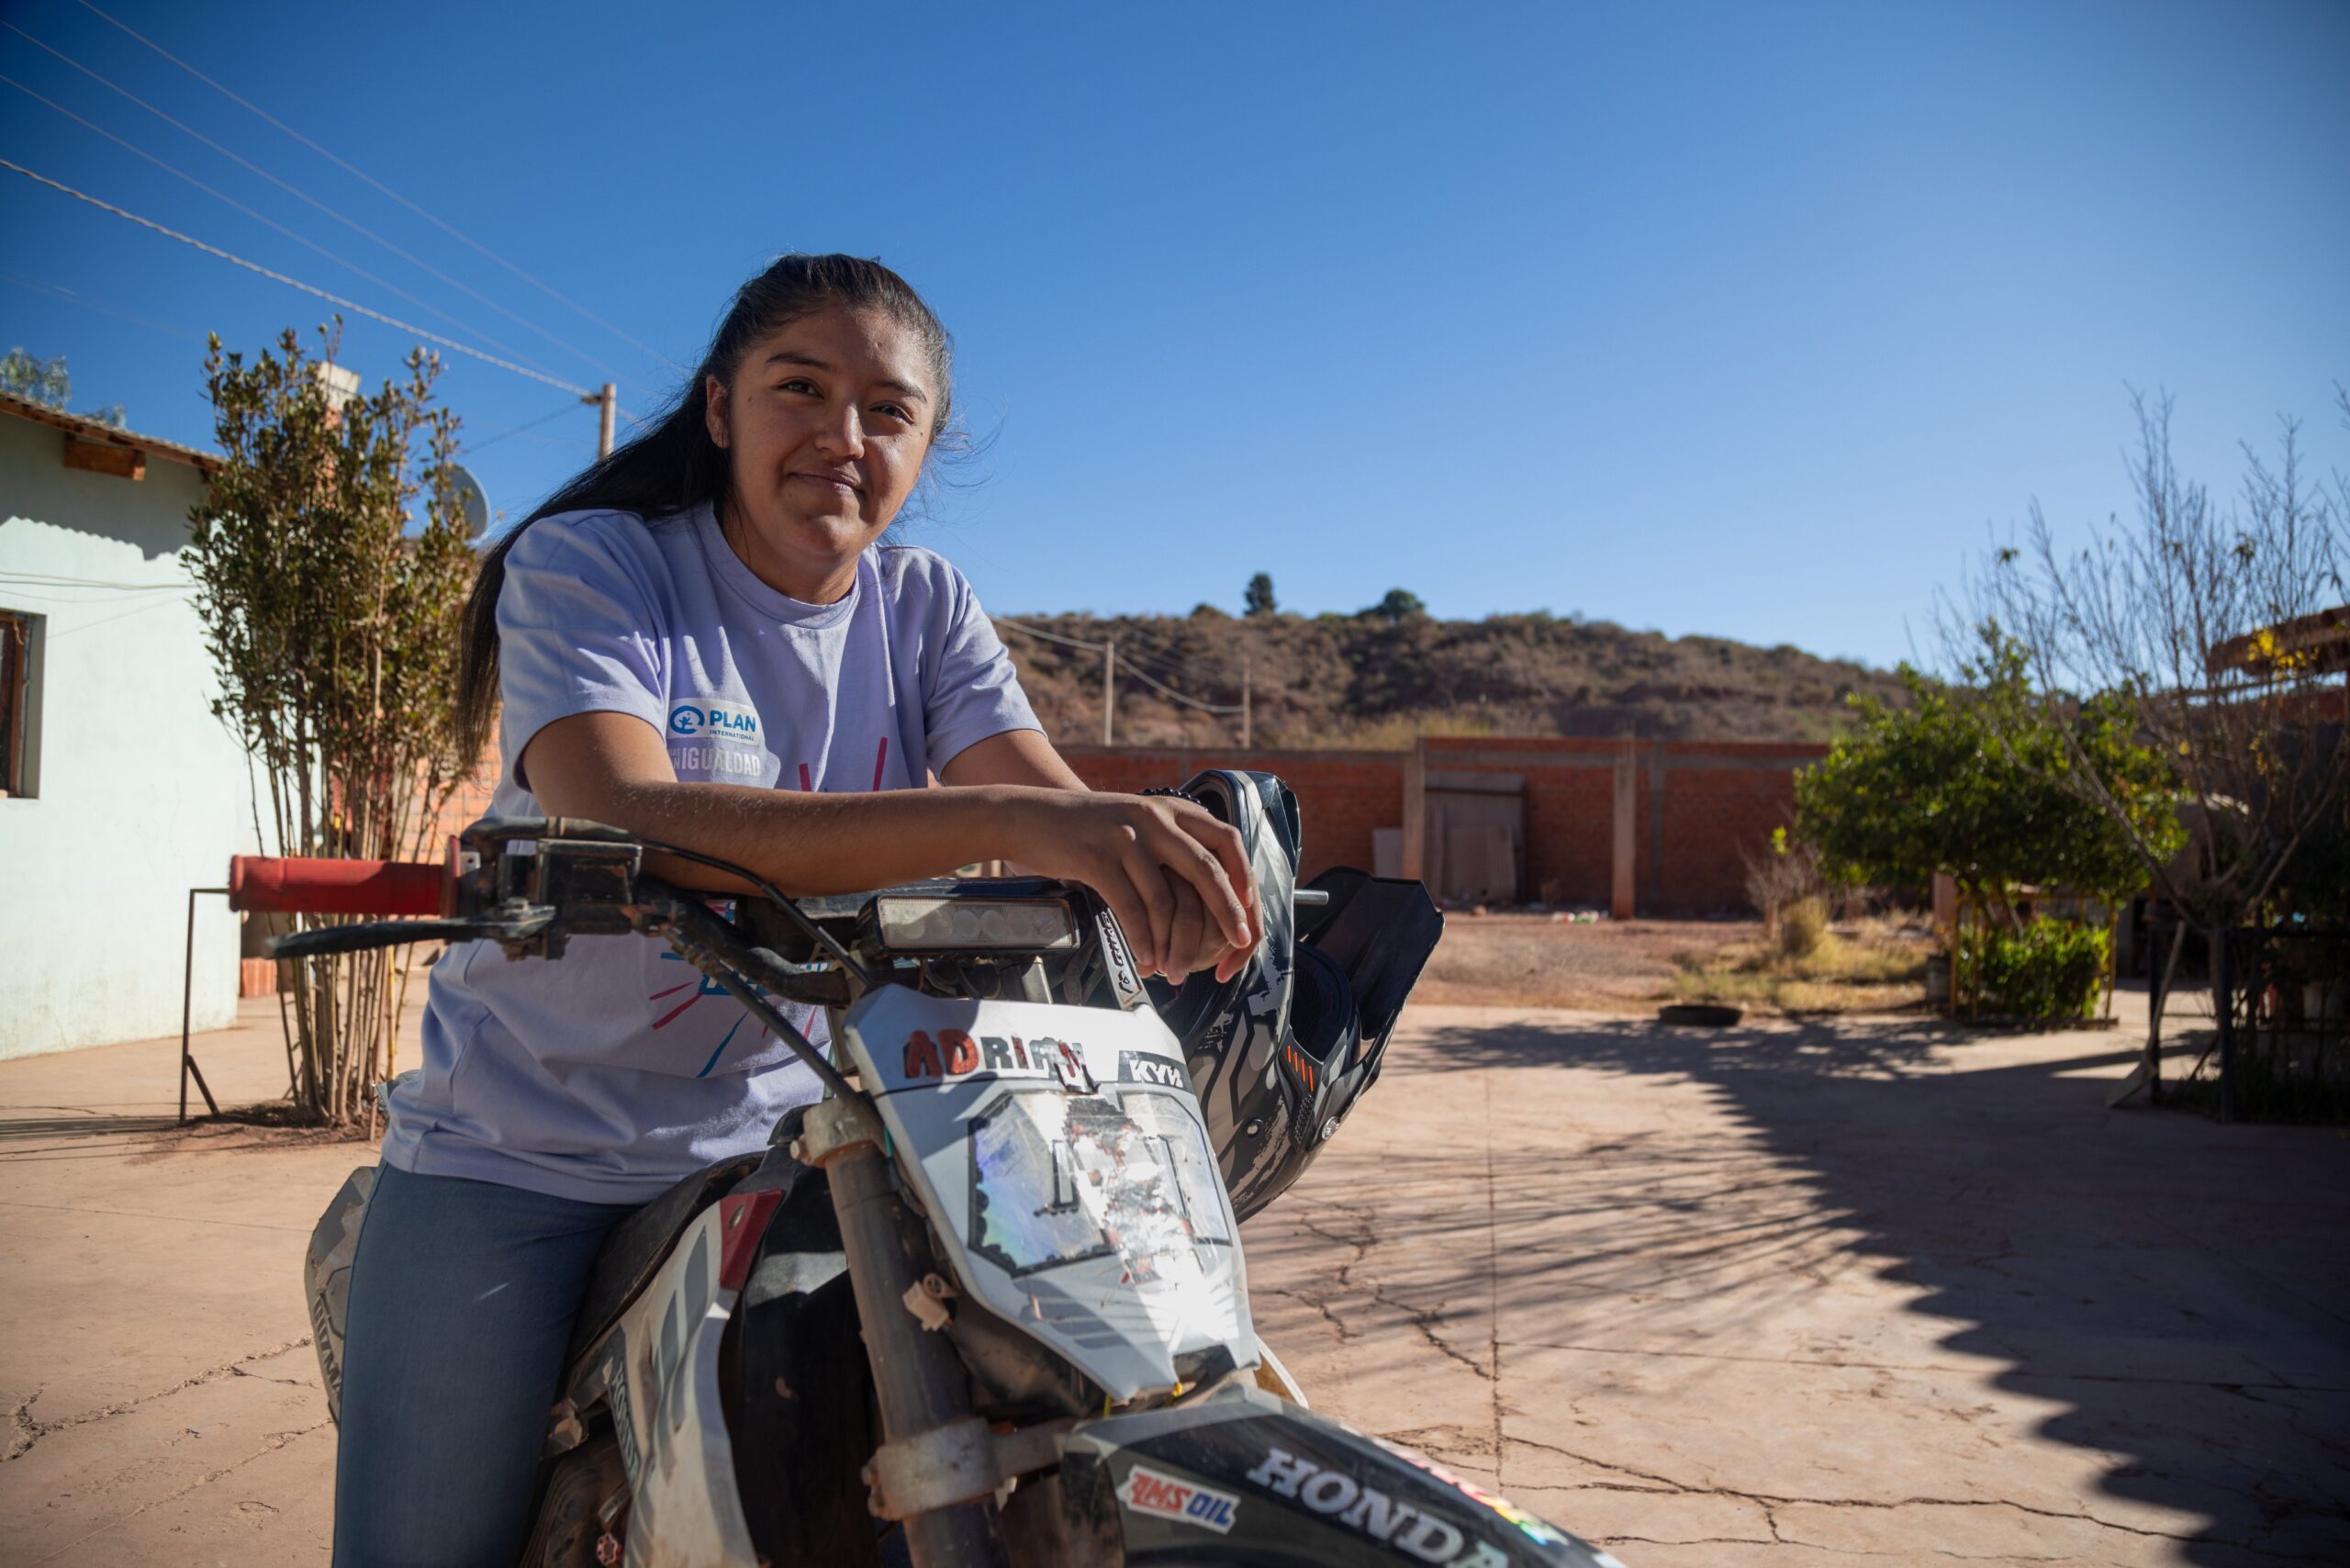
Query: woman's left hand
{"points": [[1195, 941]]}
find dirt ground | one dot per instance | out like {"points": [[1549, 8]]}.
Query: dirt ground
{"points": [[1877, 1292], [1539, 960]]}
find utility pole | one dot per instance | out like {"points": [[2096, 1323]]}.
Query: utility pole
{"points": [[1109, 691], [1244, 704], [607, 410]]}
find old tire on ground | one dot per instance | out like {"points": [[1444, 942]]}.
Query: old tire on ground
{"points": [[1702, 1014]]}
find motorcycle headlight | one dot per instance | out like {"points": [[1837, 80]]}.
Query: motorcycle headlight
{"points": [[916, 924]]}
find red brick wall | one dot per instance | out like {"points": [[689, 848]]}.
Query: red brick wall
{"points": [[1713, 817], [1341, 795], [1720, 800]]}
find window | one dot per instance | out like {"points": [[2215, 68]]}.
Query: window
{"points": [[21, 651]]}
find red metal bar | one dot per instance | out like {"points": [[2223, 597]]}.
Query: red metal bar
{"points": [[313, 885]]}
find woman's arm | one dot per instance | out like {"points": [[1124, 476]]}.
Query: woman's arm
{"points": [[1135, 851], [1015, 756]]}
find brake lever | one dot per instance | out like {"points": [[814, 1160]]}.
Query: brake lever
{"points": [[372, 933]]}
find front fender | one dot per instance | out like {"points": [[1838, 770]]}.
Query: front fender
{"points": [[1240, 1477]]}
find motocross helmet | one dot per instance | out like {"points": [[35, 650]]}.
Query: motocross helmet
{"points": [[1273, 1051]]}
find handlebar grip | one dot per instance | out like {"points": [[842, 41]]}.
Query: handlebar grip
{"points": [[294, 885]]}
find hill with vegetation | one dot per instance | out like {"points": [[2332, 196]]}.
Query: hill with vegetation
{"points": [[1381, 677]]}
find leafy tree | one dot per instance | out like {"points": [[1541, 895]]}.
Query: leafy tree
{"points": [[334, 632], [43, 381], [50, 383], [1401, 604], [1937, 787], [1260, 595]]}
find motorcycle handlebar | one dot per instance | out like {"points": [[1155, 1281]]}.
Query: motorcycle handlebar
{"points": [[294, 885], [299, 885]]}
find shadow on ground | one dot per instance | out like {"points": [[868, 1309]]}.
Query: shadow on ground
{"points": [[2176, 1292]]}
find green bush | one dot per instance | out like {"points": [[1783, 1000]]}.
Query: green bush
{"points": [[2052, 968]]}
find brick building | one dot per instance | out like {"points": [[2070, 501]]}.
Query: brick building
{"points": [[1645, 827]]}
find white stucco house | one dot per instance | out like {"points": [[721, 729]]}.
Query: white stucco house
{"points": [[122, 790]]}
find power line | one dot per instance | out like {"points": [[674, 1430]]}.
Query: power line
{"points": [[528, 425], [301, 195], [72, 297], [1170, 691], [360, 175], [576, 443], [1159, 687], [258, 218], [50, 579], [350, 305], [1134, 646], [1050, 636]]}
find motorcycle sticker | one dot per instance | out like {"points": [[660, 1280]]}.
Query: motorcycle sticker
{"points": [[1314, 1491], [1141, 1066], [1073, 1181], [1057, 1179], [1532, 1525], [1126, 981], [1155, 1493], [1372, 1512], [955, 1054], [616, 1395]]}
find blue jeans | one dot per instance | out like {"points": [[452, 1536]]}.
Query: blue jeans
{"points": [[462, 1300]]}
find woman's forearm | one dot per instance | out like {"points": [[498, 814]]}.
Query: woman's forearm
{"points": [[811, 844]]}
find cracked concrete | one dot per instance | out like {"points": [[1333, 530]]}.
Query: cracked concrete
{"points": [[1875, 1295], [154, 1351], [29, 1431], [1800, 1294]]}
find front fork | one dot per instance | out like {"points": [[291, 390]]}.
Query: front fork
{"points": [[934, 1470]]}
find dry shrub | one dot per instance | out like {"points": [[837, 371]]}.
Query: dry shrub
{"points": [[1802, 927], [1784, 875]]}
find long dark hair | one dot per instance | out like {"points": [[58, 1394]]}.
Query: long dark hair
{"points": [[673, 464]]}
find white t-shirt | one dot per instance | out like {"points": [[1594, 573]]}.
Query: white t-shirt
{"points": [[612, 1073]]}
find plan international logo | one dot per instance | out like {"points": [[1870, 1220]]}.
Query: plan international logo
{"points": [[717, 739], [713, 719]]}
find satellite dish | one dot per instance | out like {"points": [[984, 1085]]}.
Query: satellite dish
{"points": [[472, 499]]}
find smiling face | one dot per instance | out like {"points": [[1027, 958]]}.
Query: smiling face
{"points": [[825, 423]]}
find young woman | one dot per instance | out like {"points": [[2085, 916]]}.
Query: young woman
{"points": [[701, 638]]}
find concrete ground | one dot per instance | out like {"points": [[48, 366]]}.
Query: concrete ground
{"points": [[154, 1349], [1800, 1294], [1519, 959]]}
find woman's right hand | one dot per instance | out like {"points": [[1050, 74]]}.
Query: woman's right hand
{"points": [[1149, 858]]}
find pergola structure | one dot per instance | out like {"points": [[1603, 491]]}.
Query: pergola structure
{"points": [[2307, 645]]}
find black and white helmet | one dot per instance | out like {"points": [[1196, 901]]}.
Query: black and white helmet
{"points": [[1274, 1051]]}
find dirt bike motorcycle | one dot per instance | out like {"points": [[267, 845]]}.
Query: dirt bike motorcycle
{"points": [[985, 1302]]}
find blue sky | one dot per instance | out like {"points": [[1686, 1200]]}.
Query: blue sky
{"points": [[1744, 319]]}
